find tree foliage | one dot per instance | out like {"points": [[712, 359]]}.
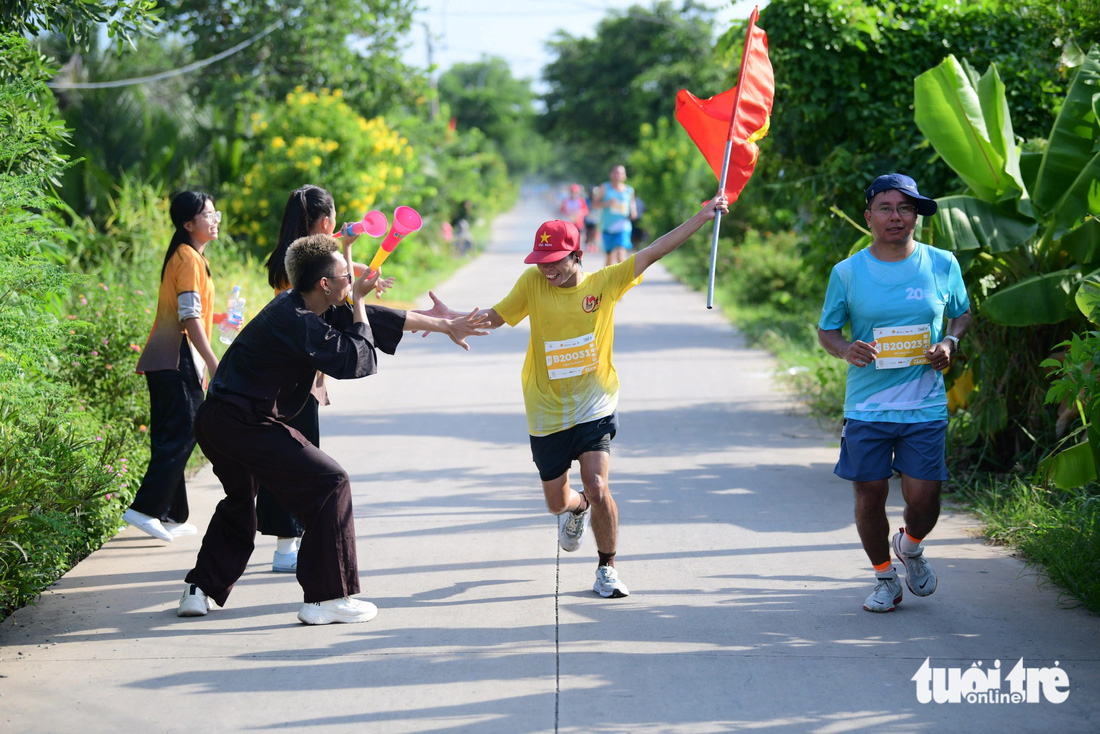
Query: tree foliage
{"points": [[602, 89], [485, 95], [351, 45], [844, 73], [79, 21]]}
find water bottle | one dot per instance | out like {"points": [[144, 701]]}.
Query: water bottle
{"points": [[234, 316]]}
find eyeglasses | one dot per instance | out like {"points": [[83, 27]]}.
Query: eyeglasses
{"points": [[349, 276], [904, 210], [211, 217]]}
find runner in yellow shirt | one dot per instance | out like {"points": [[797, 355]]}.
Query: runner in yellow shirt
{"points": [[570, 387]]}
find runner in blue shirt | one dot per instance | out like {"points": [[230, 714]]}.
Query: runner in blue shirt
{"points": [[616, 204], [895, 295]]}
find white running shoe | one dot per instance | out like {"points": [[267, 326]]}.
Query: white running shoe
{"points": [[347, 609], [608, 584], [147, 524], [886, 596], [179, 529], [194, 603], [285, 562], [571, 527], [919, 576]]}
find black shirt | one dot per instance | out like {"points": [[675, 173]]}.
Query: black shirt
{"points": [[269, 369]]}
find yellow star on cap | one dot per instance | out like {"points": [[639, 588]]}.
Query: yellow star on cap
{"points": [[545, 238]]}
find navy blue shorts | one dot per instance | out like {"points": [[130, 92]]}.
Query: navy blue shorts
{"points": [[554, 454], [870, 450]]}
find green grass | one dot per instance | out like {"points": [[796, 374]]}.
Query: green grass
{"points": [[1058, 530]]}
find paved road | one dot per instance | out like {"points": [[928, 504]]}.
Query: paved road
{"points": [[737, 543]]}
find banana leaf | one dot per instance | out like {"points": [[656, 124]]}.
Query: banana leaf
{"points": [[1071, 468], [950, 108], [968, 223], [1088, 297], [1083, 243], [1040, 299], [1068, 185]]}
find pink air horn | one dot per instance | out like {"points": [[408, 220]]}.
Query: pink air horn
{"points": [[374, 223], [406, 220]]}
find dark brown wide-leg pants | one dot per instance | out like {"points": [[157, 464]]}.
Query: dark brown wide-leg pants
{"points": [[245, 451]]}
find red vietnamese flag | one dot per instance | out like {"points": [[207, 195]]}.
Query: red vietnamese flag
{"points": [[740, 115]]}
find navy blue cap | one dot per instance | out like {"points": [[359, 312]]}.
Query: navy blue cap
{"points": [[905, 185]]}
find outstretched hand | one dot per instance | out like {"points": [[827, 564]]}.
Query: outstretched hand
{"points": [[464, 325], [439, 310]]}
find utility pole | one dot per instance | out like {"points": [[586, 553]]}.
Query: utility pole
{"points": [[432, 84]]}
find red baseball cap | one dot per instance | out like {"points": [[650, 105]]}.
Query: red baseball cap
{"points": [[554, 240]]}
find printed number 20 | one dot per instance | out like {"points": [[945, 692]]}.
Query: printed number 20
{"points": [[914, 294]]}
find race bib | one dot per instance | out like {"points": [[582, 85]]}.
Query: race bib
{"points": [[902, 346], [571, 357]]}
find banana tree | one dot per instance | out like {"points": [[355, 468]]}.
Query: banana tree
{"points": [[1025, 228], [1045, 216]]}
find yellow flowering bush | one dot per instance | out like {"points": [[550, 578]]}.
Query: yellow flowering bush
{"points": [[315, 138]]}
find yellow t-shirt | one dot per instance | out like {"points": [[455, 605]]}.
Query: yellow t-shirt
{"points": [[568, 378]]}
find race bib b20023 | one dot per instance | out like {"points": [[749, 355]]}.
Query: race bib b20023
{"points": [[902, 346]]}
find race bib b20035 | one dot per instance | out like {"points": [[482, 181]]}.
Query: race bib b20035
{"points": [[902, 346]]}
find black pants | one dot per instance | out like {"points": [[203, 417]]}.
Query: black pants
{"points": [[244, 451], [174, 397], [272, 518]]}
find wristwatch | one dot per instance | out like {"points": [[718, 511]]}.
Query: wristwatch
{"points": [[953, 338]]}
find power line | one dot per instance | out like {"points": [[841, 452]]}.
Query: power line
{"points": [[167, 74]]}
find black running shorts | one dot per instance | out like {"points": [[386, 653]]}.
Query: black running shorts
{"points": [[554, 454]]}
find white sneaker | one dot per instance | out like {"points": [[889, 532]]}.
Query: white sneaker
{"points": [[179, 529], [285, 562], [147, 524], [194, 603], [347, 609], [571, 527], [608, 585]]}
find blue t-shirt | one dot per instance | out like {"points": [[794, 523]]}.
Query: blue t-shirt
{"points": [[871, 294], [615, 217]]}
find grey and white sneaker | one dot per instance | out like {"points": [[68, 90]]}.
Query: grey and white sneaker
{"points": [[571, 528], [347, 609], [919, 576], [608, 584], [886, 596], [194, 603]]}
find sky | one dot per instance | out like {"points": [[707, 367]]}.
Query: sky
{"points": [[517, 30]]}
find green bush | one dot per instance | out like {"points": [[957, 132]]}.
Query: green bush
{"points": [[109, 328], [314, 138], [63, 487]]}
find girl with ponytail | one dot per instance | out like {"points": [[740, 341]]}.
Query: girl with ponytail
{"points": [[176, 360]]}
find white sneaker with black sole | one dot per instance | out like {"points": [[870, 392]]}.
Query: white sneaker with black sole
{"points": [[194, 603], [608, 584], [346, 610]]}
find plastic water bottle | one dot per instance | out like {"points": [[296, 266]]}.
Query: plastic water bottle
{"points": [[234, 316]]}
